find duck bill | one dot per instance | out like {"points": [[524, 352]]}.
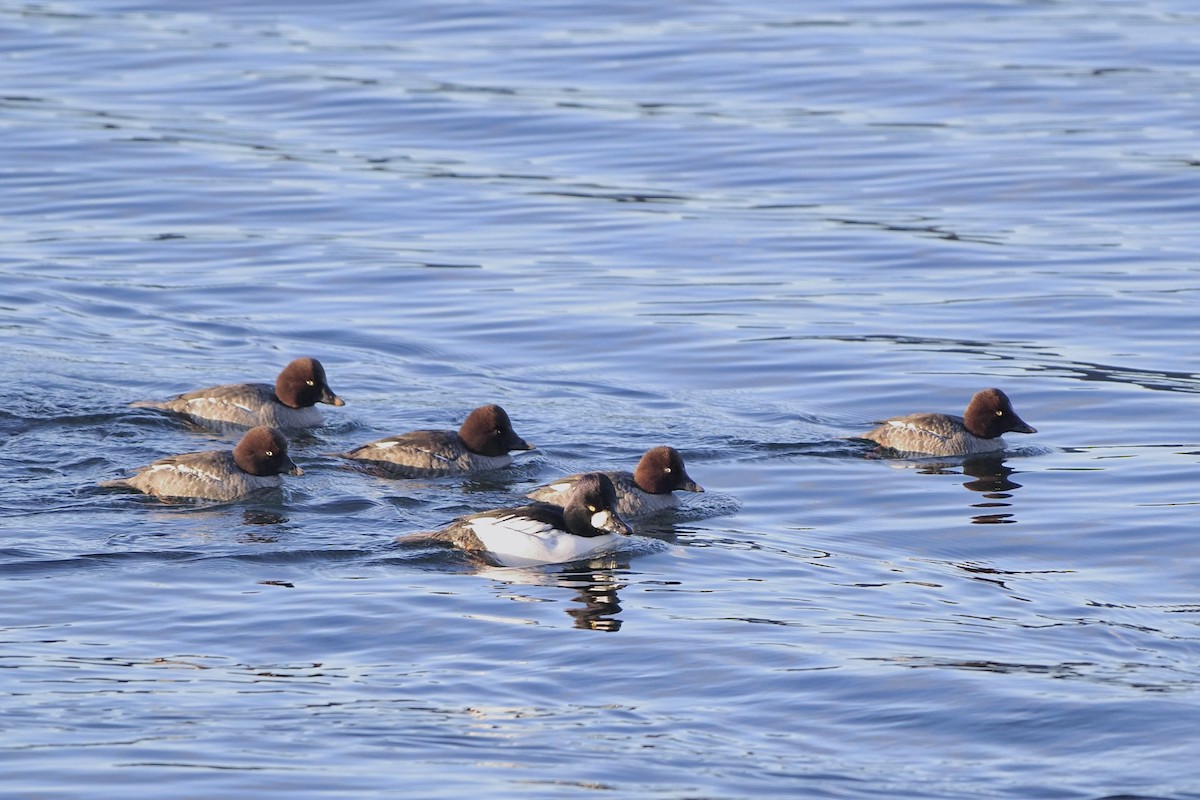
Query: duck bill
{"points": [[290, 468], [329, 398], [1021, 426], [609, 521], [690, 485], [517, 443]]}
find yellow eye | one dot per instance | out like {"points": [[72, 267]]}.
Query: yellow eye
{"points": [[270, 452], [310, 383], [667, 470], [999, 413], [592, 509]]}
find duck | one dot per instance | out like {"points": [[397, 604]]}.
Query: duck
{"points": [[979, 430], [254, 464], [288, 405], [482, 442], [649, 489], [539, 533]]}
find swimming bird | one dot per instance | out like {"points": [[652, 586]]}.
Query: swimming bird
{"points": [[286, 405], [989, 415], [540, 533], [482, 442], [647, 490], [256, 463]]}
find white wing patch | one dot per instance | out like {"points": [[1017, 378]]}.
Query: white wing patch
{"points": [[188, 470], [915, 428], [388, 444], [219, 401]]}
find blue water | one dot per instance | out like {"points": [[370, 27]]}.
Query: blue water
{"points": [[743, 229]]}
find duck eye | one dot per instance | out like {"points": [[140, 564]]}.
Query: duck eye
{"points": [[667, 470], [310, 383], [999, 413], [270, 452], [592, 509]]}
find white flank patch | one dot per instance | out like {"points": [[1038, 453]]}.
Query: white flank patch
{"points": [[520, 541]]}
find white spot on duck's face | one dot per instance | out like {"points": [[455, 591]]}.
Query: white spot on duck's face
{"points": [[601, 519]]}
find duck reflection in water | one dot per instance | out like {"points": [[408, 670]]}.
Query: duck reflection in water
{"points": [[990, 477], [594, 583], [596, 593]]}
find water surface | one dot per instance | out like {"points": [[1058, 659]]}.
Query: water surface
{"points": [[740, 229]]}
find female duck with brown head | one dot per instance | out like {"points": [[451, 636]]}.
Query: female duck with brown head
{"points": [[989, 415], [650, 488], [482, 442], [256, 463], [287, 405]]}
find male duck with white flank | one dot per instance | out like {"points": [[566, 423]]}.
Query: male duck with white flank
{"points": [[539, 533]]}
